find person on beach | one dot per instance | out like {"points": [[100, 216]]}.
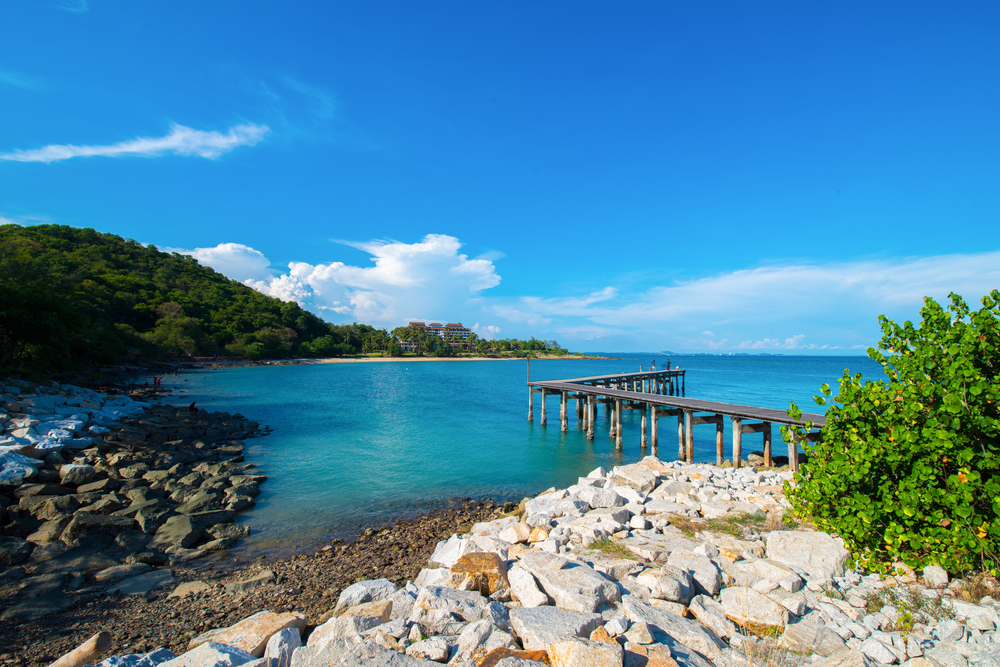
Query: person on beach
{"points": [[192, 408]]}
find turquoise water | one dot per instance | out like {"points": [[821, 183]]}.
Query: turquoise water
{"points": [[361, 444]]}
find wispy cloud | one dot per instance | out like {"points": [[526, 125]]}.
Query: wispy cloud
{"points": [[24, 219], [19, 80], [75, 6], [181, 141]]}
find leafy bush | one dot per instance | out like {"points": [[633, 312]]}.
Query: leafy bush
{"points": [[907, 468]]}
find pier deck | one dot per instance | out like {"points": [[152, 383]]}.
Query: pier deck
{"points": [[660, 394]]}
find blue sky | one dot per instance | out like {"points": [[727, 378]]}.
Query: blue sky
{"points": [[700, 177]]}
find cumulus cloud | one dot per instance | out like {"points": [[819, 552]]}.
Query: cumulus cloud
{"points": [[181, 141], [406, 281], [233, 260], [489, 331]]}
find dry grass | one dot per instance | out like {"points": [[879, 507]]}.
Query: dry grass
{"points": [[976, 587], [612, 548], [767, 652], [913, 607]]}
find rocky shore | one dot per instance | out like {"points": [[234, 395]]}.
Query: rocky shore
{"points": [[648, 565]]}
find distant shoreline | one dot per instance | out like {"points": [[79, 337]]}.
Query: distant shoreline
{"points": [[355, 360]]}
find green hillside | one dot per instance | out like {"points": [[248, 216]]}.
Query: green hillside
{"points": [[73, 298]]}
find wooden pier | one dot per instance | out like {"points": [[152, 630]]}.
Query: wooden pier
{"points": [[661, 394]]}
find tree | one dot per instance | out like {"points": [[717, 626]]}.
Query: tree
{"points": [[908, 467]]}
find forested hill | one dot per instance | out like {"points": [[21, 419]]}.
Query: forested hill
{"points": [[72, 298]]}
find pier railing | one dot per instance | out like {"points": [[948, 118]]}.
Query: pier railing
{"points": [[661, 394]]}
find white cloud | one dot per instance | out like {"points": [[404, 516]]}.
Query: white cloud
{"points": [[233, 260], [24, 219], [75, 6], [407, 279], [810, 307], [489, 332], [181, 141]]}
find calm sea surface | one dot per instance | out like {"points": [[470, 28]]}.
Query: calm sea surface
{"points": [[356, 445]]}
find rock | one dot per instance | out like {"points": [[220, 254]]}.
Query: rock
{"points": [[449, 551], [584, 653], [806, 638], [212, 517], [878, 651], [117, 572], [179, 531], [341, 628], [577, 588], [640, 633], [817, 554], [668, 583], [706, 575], [364, 591], [712, 615], [280, 647], [482, 572], [944, 656], [142, 583], [636, 476], [35, 608], [76, 474], [256, 581], [540, 627], [846, 659], [516, 533], [151, 659], [382, 610], [757, 613], [935, 576], [525, 589], [14, 550], [598, 497], [684, 631], [653, 655], [210, 654], [189, 588], [467, 605], [511, 658], [252, 633], [50, 531], [435, 649], [365, 654]]}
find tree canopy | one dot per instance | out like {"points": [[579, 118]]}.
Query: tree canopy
{"points": [[908, 467]]}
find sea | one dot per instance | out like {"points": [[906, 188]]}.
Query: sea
{"points": [[357, 445]]}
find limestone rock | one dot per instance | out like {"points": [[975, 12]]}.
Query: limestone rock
{"points": [[652, 655], [806, 637], [817, 554], [467, 605], [636, 476], [280, 647], [668, 583], [252, 633], [515, 534], [757, 613], [151, 659], [382, 610], [640, 633], [878, 651], [712, 615], [540, 627], [577, 588], [449, 551], [525, 588], [210, 654], [846, 659], [935, 576], [689, 633], [706, 575], [482, 572], [584, 653], [364, 591], [511, 658], [434, 649]]}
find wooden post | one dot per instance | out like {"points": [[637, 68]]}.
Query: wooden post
{"points": [[719, 448], [531, 404], [680, 435], [684, 390], [737, 441], [563, 416], [793, 452], [591, 415], [579, 407], [642, 440], [614, 418], [618, 433], [542, 420], [655, 435], [689, 435], [767, 443]]}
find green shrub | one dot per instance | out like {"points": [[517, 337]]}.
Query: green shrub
{"points": [[907, 469]]}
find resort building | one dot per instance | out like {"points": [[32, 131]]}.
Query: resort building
{"points": [[454, 333]]}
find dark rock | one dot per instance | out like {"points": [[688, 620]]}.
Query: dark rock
{"points": [[150, 519], [202, 501], [41, 490], [212, 517], [178, 530], [100, 485], [14, 550], [132, 540], [84, 523]]}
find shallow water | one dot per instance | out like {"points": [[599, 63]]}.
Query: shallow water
{"points": [[361, 444]]}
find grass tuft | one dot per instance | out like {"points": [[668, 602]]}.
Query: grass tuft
{"points": [[975, 588], [912, 605], [612, 548]]}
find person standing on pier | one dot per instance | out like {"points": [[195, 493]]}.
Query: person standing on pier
{"points": [[668, 363], [652, 367]]}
